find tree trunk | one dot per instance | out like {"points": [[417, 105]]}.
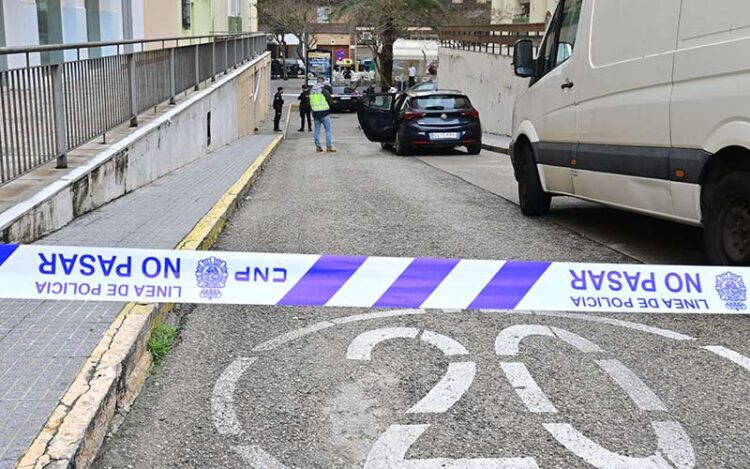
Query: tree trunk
{"points": [[284, 71], [386, 55]]}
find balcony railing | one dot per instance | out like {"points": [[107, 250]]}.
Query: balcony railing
{"points": [[48, 110], [492, 39]]}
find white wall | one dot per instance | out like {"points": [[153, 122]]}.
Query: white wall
{"points": [[110, 20], [74, 26], [21, 29], [139, 23], [489, 82]]}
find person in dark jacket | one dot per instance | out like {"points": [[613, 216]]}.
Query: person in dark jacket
{"points": [[278, 106], [305, 111], [370, 89]]}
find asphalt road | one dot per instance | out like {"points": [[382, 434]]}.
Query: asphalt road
{"points": [[271, 387]]}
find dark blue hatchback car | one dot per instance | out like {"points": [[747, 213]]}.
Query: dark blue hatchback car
{"points": [[421, 119]]}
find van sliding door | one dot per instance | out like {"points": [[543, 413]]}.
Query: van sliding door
{"points": [[624, 101]]}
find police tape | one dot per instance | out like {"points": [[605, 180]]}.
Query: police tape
{"points": [[137, 275]]}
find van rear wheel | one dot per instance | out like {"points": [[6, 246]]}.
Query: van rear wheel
{"points": [[727, 221], [534, 201]]}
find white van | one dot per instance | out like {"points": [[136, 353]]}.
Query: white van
{"points": [[643, 105]]}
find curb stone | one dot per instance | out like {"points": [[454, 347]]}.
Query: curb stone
{"points": [[114, 374]]}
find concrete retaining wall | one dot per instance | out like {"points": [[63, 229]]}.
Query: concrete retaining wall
{"points": [[489, 82], [236, 105]]}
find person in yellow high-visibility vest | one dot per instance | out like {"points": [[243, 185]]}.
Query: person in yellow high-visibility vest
{"points": [[320, 103]]}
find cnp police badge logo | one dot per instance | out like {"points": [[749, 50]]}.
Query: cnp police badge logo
{"points": [[211, 275], [731, 289]]}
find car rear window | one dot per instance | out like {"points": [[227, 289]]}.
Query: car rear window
{"points": [[440, 103]]}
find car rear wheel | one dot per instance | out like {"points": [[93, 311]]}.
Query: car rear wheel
{"points": [[534, 201], [386, 146], [474, 149], [727, 221], [401, 147]]}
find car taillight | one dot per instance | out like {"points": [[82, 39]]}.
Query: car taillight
{"points": [[473, 114], [354, 93], [413, 115]]}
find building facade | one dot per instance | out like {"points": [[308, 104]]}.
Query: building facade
{"points": [[522, 11], [31, 23], [39, 22]]}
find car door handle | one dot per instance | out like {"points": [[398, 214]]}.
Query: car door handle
{"points": [[567, 85]]}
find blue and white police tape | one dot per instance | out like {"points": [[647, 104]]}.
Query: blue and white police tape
{"points": [[104, 274]]}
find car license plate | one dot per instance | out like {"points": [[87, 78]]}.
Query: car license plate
{"points": [[345, 98], [444, 136]]}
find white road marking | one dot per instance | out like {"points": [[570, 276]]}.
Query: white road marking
{"points": [[617, 322], [292, 335], [445, 344], [582, 344], [506, 312], [222, 398], [378, 315], [527, 389], [597, 456], [257, 458], [362, 346], [674, 443], [457, 380], [463, 284], [508, 341], [731, 355], [638, 391], [389, 452], [319, 326], [369, 282]]}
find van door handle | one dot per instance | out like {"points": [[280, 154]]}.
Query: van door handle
{"points": [[567, 85]]}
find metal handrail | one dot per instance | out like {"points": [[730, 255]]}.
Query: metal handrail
{"points": [[89, 45], [49, 109], [493, 39]]}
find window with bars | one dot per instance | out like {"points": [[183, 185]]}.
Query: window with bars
{"points": [[186, 14]]}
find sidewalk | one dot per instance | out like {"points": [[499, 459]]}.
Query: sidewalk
{"points": [[43, 344], [496, 143]]}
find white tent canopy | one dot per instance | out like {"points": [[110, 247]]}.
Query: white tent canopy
{"points": [[409, 49]]}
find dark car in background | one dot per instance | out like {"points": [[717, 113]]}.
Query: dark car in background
{"points": [[421, 119], [344, 98], [294, 68]]}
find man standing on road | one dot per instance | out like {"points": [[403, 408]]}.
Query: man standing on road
{"points": [[320, 103], [304, 109], [278, 106], [412, 75], [370, 89]]}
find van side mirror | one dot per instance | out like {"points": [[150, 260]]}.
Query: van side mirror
{"points": [[523, 58]]}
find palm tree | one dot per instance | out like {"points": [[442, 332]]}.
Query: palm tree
{"points": [[390, 20]]}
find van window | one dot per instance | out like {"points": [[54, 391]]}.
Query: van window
{"points": [[561, 36], [634, 29], [568, 30]]}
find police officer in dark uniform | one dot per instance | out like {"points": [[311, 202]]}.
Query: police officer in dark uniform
{"points": [[305, 111], [278, 106]]}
